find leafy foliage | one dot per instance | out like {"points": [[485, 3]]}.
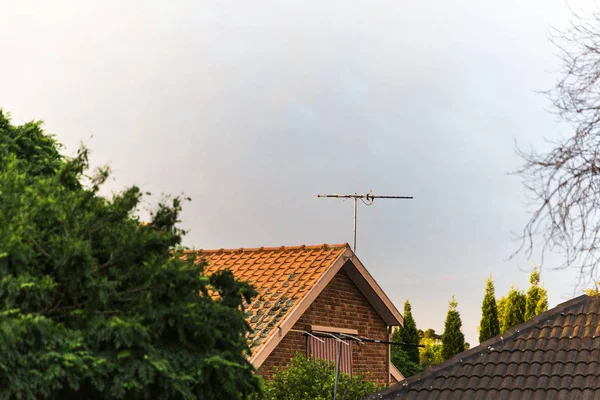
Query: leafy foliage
{"points": [[537, 297], [429, 334], [501, 305], [95, 304], [595, 291], [408, 333], [517, 306], [542, 305], [489, 326], [513, 309], [431, 354], [400, 356], [406, 358], [307, 378], [453, 340]]}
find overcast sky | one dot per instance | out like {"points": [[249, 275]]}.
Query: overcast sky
{"points": [[253, 108]]}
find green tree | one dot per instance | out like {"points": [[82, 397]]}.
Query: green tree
{"points": [[594, 291], [453, 340], [431, 354], [537, 297], [307, 378], [96, 305], [501, 305], [402, 361], [430, 334], [408, 333], [489, 326], [542, 305], [513, 309], [406, 358]]}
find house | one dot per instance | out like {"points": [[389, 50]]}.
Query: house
{"points": [[305, 294], [555, 355]]}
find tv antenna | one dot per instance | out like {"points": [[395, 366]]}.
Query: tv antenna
{"points": [[368, 199]]}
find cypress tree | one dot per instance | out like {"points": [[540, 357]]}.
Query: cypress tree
{"points": [[514, 310], [501, 306], [406, 358], [409, 333], [542, 305], [401, 359], [489, 326], [453, 340], [537, 297]]}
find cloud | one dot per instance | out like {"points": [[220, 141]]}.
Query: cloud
{"points": [[253, 110]]}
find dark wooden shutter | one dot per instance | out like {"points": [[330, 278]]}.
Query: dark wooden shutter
{"points": [[328, 350]]}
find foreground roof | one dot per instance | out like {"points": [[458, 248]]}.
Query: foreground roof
{"points": [[555, 355], [288, 280]]}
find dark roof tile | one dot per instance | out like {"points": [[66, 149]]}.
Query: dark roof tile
{"points": [[555, 355]]}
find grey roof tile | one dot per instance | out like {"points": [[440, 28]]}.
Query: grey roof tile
{"points": [[555, 355]]}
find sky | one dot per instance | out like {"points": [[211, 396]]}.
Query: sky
{"points": [[254, 108]]}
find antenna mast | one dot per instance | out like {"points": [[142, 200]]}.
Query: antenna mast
{"points": [[367, 199]]}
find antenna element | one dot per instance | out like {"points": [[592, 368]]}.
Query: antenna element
{"points": [[367, 199]]}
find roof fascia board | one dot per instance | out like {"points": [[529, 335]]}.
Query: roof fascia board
{"points": [[396, 374], [373, 292]]}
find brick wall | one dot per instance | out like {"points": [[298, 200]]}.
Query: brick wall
{"points": [[342, 305]]}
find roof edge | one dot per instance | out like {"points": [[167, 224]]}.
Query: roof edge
{"points": [[253, 249], [396, 317], [395, 372], [279, 332]]}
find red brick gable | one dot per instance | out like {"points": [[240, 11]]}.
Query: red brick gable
{"points": [[341, 305], [289, 280]]}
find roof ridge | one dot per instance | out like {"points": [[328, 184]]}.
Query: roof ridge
{"points": [[503, 337], [537, 361], [572, 337], [515, 350], [511, 389], [523, 374], [280, 248]]}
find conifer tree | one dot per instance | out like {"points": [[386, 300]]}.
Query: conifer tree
{"points": [[409, 333], [537, 297], [514, 309], [401, 358], [406, 358], [453, 340], [489, 326], [542, 305], [501, 306]]}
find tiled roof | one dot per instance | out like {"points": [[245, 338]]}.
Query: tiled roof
{"points": [[555, 355], [281, 275]]}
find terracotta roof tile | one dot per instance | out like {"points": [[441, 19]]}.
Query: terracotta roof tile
{"points": [[281, 275], [554, 355]]}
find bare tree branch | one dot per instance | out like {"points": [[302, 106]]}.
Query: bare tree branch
{"points": [[564, 183]]}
